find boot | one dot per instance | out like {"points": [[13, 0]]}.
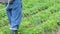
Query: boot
{"points": [[13, 32]]}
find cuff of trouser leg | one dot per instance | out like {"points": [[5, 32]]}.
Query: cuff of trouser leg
{"points": [[13, 29]]}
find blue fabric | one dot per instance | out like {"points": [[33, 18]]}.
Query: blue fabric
{"points": [[14, 14]]}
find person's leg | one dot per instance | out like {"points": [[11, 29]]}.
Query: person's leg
{"points": [[16, 15], [16, 18]]}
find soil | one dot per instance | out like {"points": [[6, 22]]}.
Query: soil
{"points": [[58, 31]]}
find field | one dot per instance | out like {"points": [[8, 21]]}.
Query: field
{"points": [[38, 17]]}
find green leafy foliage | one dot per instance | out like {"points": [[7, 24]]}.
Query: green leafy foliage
{"points": [[39, 17]]}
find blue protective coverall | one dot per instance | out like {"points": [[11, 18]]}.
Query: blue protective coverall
{"points": [[14, 11]]}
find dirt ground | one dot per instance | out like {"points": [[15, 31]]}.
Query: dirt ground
{"points": [[58, 31]]}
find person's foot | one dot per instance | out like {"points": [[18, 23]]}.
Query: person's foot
{"points": [[13, 32]]}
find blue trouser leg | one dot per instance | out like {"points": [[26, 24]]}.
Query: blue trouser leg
{"points": [[16, 17], [14, 14], [9, 15]]}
